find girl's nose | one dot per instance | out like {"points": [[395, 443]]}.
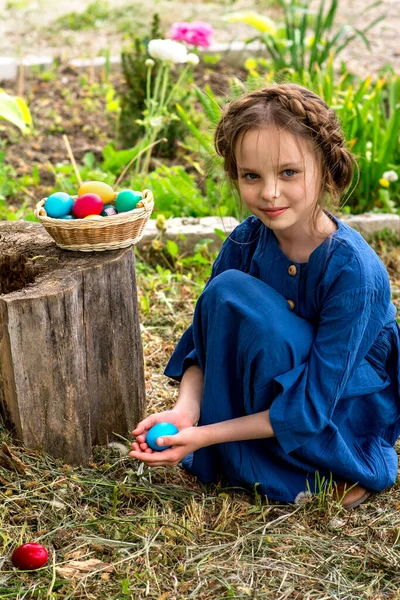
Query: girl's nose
{"points": [[271, 190]]}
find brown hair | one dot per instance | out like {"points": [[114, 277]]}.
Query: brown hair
{"points": [[300, 112]]}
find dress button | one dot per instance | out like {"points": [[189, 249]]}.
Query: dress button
{"points": [[292, 270], [291, 304]]}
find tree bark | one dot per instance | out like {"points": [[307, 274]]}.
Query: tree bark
{"points": [[71, 359]]}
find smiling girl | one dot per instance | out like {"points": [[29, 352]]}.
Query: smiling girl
{"points": [[291, 368]]}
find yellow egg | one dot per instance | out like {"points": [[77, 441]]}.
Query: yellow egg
{"points": [[103, 190], [93, 217]]}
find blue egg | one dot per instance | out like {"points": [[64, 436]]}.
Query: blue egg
{"points": [[67, 217], [157, 431], [58, 204]]}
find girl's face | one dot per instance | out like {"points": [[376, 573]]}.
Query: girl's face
{"points": [[278, 177]]}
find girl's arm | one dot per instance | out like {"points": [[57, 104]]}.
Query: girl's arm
{"points": [[250, 427], [190, 439], [190, 392]]}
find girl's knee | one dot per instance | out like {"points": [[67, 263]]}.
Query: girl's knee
{"points": [[225, 284], [244, 289], [230, 277]]}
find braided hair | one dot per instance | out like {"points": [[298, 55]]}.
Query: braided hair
{"points": [[302, 113]]}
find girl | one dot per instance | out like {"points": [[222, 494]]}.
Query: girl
{"points": [[291, 368]]}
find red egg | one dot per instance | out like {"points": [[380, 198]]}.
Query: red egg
{"points": [[30, 556], [88, 204]]}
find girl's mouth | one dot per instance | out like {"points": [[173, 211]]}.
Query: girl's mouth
{"points": [[275, 212]]}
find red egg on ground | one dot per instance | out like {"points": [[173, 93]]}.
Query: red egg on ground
{"points": [[88, 204], [30, 556]]}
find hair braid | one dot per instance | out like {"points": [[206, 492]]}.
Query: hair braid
{"points": [[301, 112]]}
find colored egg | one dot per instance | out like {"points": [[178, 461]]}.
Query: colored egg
{"points": [[108, 210], [93, 217], [103, 190], [67, 217], [127, 200], [88, 204], [30, 556], [58, 204], [157, 431]]}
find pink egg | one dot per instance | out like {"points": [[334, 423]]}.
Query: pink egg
{"points": [[88, 204]]}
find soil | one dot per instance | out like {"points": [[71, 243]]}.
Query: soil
{"points": [[68, 106]]}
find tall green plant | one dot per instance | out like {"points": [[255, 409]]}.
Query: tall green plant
{"points": [[305, 39]]}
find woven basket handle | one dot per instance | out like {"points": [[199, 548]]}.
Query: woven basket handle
{"points": [[146, 201], [39, 210]]}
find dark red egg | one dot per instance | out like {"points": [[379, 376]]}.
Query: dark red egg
{"points": [[88, 204], [30, 556]]}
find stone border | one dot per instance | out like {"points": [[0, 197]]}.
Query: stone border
{"points": [[234, 54], [189, 231]]}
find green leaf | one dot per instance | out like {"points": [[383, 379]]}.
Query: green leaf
{"points": [[172, 248], [221, 234], [24, 109], [14, 110], [210, 104]]}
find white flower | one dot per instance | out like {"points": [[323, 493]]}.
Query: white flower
{"points": [[149, 62], [122, 449], [336, 523], [303, 497], [192, 59], [390, 175], [58, 504], [167, 50], [156, 121]]}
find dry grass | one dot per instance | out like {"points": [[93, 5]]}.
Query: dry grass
{"points": [[116, 530]]}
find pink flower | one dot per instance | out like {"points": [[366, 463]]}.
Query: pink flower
{"points": [[196, 33]]}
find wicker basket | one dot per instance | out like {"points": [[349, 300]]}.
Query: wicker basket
{"points": [[107, 233]]}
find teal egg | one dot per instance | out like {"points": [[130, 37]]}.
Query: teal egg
{"points": [[127, 200], [157, 431], [108, 210], [67, 217], [58, 205]]}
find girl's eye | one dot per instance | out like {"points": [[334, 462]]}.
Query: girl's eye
{"points": [[289, 172], [250, 176]]}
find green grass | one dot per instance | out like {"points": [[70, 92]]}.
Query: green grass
{"points": [[159, 533]]}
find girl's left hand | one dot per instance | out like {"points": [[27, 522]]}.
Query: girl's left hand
{"points": [[182, 443]]}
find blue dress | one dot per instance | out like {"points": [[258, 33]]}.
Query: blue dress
{"points": [[317, 344]]}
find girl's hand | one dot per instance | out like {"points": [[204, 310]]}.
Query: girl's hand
{"points": [[183, 443], [179, 418]]}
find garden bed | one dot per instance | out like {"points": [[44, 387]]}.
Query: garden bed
{"points": [[63, 100]]}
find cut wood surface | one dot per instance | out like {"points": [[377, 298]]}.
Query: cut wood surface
{"points": [[71, 359]]}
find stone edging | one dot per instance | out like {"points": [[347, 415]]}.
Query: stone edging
{"points": [[189, 231], [234, 54]]}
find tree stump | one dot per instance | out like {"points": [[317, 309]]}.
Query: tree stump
{"points": [[71, 358]]}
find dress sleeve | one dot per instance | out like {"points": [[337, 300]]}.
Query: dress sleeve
{"points": [[229, 257], [349, 324]]}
